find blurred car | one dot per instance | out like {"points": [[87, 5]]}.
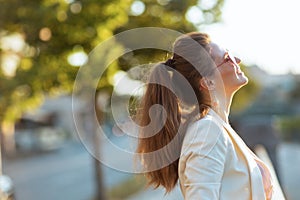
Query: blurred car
{"points": [[38, 136]]}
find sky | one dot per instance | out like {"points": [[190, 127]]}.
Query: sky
{"points": [[261, 32]]}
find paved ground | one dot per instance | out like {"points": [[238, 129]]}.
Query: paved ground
{"points": [[289, 166], [289, 155], [65, 174]]}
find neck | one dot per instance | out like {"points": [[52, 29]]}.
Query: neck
{"points": [[222, 107]]}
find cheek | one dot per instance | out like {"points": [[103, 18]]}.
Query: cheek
{"points": [[227, 73], [229, 78]]}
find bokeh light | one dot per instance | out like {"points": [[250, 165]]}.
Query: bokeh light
{"points": [[45, 34], [137, 8], [195, 15], [77, 58]]}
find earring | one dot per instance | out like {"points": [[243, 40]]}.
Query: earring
{"points": [[215, 101]]}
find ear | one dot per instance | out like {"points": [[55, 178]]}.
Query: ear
{"points": [[207, 84]]}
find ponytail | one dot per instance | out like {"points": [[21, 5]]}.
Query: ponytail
{"points": [[159, 92]]}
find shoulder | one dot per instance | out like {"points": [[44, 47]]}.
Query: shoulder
{"points": [[206, 123], [203, 135], [205, 128]]}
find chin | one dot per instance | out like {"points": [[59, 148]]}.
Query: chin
{"points": [[243, 80]]}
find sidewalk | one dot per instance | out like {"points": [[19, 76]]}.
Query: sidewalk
{"points": [[157, 194], [289, 166]]}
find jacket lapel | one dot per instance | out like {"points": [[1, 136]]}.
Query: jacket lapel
{"points": [[256, 181]]}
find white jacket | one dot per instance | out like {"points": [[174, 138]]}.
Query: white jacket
{"points": [[215, 163]]}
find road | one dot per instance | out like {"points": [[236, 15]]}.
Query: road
{"points": [[63, 174]]}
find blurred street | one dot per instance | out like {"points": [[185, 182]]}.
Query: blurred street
{"points": [[289, 166], [64, 174]]}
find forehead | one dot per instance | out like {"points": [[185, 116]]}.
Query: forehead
{"points": [[217, 51]]}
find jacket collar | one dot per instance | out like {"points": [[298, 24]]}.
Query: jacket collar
{"points": [[256, 181]]}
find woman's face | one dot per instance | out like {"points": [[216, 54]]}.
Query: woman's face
{"points": [[232, 76]]}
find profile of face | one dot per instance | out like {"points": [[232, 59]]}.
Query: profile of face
{"points": [[228, 67]]}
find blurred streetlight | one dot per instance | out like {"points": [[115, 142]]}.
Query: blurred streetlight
{"points": [[6, 184], [6, 188]]}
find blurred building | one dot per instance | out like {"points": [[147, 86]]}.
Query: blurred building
{"points": [[47, 127]]}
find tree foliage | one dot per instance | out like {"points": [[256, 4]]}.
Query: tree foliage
{"points": [[52, 30]]}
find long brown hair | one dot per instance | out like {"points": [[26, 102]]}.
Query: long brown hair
{"points": [[161, 167]]}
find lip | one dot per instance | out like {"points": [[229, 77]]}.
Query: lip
{"points": [[239, 71]]}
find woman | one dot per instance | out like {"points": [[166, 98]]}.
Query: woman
{"points": [[190, 139]]}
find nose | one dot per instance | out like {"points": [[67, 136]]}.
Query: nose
{"points": [[237, 60]]}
